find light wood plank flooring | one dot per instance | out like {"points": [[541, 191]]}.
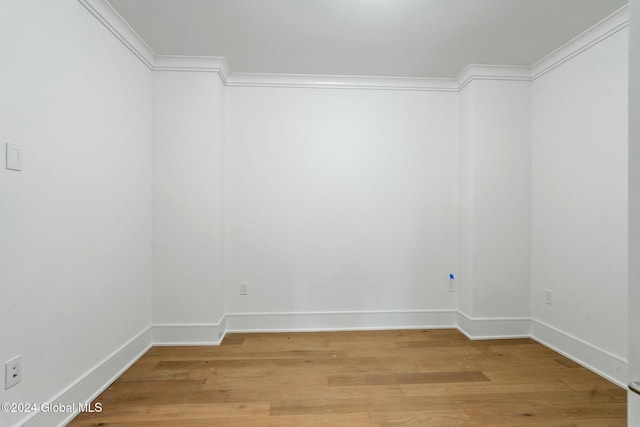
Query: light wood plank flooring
{"points": [[359, 379]]}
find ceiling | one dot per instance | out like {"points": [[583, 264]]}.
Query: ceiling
{"points": [[402, 38]]}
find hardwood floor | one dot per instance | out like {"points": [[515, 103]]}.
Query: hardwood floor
{"points": [[359, 379]]}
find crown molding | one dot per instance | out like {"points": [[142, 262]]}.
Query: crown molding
{"points": [[205, 64], [112, 20], [341, 82], [492, 72], [107, 15], [218, 64], [191, 63], [601, 31]]}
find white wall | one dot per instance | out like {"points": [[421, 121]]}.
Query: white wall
{"points": [[579, 196], [187, 198], [466, 149], [495, 194], [75, 236], [340, 200], [634, 209]]}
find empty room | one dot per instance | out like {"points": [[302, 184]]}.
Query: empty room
{"points": [[366, 213]]}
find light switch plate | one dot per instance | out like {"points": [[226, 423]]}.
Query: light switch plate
{"points": [[14, 156]]}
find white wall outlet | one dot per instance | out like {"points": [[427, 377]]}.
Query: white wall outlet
{"points": [[12, 372], [452, 280], [244, 288], [548, 296]]}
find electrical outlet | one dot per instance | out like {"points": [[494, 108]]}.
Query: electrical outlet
{"points": [[12, 372], [244, 288], [452, 280], [548, 296]]}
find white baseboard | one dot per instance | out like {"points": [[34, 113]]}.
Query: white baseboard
{"points": [[484, 328], [93, 382], [633, 409], [603, 363], [340, 321], [189, 333]]}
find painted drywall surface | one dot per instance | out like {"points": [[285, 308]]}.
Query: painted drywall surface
{"points": [[495, 194], [187, 198], [634, 208], [340, 200], [464, 279], [579, 196], [501, 173], [75, 237]]}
